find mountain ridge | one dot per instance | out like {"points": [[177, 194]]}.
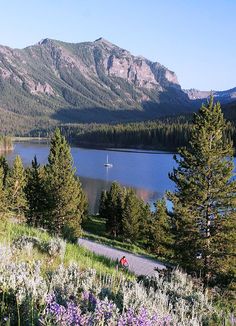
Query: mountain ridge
{"points": [[225, 96], [54, 82]]}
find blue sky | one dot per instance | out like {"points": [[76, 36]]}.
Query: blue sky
{"points": [[194, 38]]}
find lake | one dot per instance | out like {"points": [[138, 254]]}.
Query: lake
{"points": [[145, 171]]}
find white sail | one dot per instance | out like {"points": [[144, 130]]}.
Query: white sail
{"points": [[107, 164]]}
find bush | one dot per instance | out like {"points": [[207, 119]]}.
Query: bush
{"points": [[71, 296], [54, 247], [23, 241]]}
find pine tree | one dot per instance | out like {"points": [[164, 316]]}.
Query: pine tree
{"points": [[132, 215], [4, 165], [161, 239], [204, 200], [36, 195], [103, 205], [112, 209], [16, 182], [66, 200], [3, 195], [146, 222], [4, 169]]}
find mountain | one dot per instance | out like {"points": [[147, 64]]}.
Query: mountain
{"points": [[55, 82], [222, 96]]}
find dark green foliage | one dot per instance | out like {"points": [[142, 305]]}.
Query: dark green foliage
{"points": [[204, 200], [160, 134], [36, 195], [5, 167], [3, 194], [111, 207], [103, 204], [160, 233], [16, 182], [66, 200], [125, 213], [132, 216]]}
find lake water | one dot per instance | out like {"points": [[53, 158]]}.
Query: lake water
{"points": [[145, 171]]}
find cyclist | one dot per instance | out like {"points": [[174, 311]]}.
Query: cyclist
{"points": [[124, 262]]}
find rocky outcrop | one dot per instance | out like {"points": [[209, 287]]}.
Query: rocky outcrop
{"points": [[135, 70]]}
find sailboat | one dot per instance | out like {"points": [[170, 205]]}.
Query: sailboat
{"points": [[107, 164]]}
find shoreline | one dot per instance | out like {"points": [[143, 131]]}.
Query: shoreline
{"points": [[123, 148], [108, 147], [26, 139]]}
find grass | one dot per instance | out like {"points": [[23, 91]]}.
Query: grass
{"points": [[74, 253], [95, 229]]}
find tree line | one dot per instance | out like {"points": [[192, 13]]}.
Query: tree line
{"points": [[160, 134], [163, 134], [50, 196]]}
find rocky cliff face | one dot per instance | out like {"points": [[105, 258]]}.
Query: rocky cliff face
{"points": [[57, 81]]}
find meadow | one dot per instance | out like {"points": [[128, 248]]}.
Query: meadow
{"points": [[47, 281]]}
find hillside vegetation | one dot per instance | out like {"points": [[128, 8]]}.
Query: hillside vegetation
{"points": [[55, 82], [46, 281]]}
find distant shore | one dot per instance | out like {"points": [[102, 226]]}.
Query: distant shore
{"points": [[31, 139], [110, 147]]}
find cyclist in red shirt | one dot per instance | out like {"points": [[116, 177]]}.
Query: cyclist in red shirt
{"points": [[124, 262]]}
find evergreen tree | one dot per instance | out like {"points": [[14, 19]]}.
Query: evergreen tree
{"points": [[36, 195], [204, 200], [161, 238], [111, 207], [103, 205], [146, 221], [3, 195], [16, 182], [4, 165], [66, 200], [132, 215]]}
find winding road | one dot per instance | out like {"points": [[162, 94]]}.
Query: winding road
{"points": [[138, 264]]}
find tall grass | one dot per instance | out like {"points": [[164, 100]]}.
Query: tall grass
{"points": [[73, 253], [40, 284], [95, 229]]}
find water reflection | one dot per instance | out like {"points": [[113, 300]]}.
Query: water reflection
{"points": [[94, 187], [146, 172]]}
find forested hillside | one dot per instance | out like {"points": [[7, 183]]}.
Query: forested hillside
{"points": [[56, 82], [162, 134]]}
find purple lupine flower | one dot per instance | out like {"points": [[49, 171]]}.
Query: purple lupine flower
{"points": [[85, 296], [127, 318], [68, 315], [92, 299], [142, 318], [93, 311], [104, 310]]}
